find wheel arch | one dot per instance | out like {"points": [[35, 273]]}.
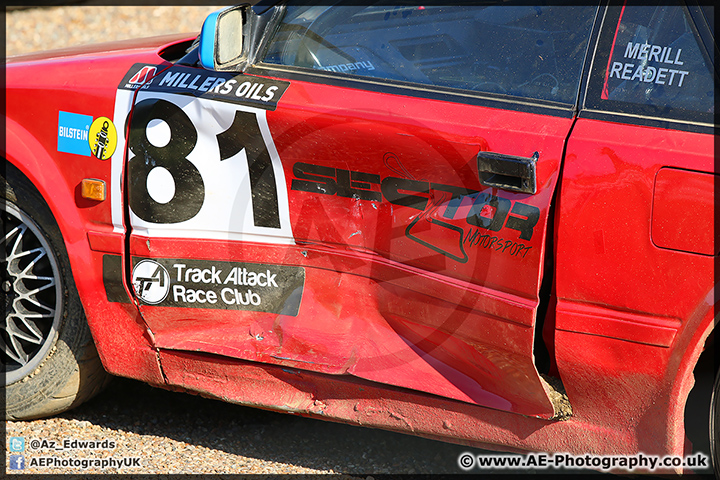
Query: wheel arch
{"points": [[24, 152], [117, 330], [64, 370], [694, 339]]}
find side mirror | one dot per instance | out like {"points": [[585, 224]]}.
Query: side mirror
{"points": [[224, 39]]}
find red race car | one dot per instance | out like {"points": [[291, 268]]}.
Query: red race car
{"points": [[490, 225]]}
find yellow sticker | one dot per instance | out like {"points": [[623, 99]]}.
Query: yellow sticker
{"points": [[102, 138]]}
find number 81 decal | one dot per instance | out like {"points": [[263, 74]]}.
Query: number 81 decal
{"points": [[204, 169]]}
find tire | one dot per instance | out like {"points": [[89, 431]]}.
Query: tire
{"points": [[715, 426], [50, 363]]}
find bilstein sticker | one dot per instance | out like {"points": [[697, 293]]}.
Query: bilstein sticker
{"points": [[219, 285], [102, 138], [73, 131]]}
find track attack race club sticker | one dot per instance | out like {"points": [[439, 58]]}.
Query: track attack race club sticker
{"points": [[219, 285]]}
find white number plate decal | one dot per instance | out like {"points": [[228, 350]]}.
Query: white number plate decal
{"points": [[200, 168]]}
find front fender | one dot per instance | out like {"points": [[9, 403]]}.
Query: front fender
{"points": [[117, 328]]}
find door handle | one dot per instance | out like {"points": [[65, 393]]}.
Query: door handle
{"points": [[508, 172]]}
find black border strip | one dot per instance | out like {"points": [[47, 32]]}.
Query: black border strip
{"points": [[430, 92], [634, 119], [3, 232]]}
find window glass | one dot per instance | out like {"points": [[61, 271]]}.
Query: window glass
{"points": [[513, 49], [653, 64], [709, 12]]}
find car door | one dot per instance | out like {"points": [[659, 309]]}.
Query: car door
{"points": [[370, 198], [638, 242]]}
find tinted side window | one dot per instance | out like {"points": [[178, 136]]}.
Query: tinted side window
{"points": [[709, 13], [513, 49], [650, 62]]}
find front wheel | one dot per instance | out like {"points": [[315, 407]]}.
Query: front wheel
{"points": [[715, 426], [49, 359]]}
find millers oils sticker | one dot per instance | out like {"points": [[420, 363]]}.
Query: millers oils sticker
{"points": [[240, 89], [219, 285]]}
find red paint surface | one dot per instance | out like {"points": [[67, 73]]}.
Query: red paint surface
{"points": [[372, 304], [393, 335], [684, 211]]}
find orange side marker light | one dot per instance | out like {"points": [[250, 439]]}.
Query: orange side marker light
{"points": [[93, 189]]}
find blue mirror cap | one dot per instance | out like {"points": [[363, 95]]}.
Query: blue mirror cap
{"points": [[207, 41]]}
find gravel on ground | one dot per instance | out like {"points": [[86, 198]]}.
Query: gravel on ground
{"points": [[35, 29], [178, 433]]}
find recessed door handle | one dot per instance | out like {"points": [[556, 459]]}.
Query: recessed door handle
{"points": [[508, 172]]}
